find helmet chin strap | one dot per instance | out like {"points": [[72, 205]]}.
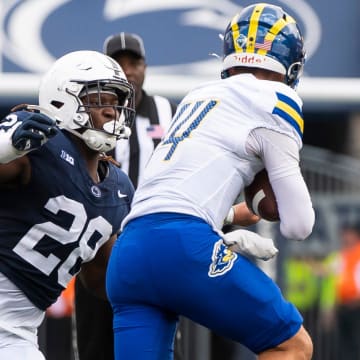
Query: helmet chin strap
{"points": [[98, 140], [125, 133], [101, 142]]}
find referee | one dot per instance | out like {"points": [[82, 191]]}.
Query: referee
{"points": [[93, 316]]}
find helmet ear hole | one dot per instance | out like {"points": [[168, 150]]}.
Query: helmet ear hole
{"points": [[57, 104], [293, 74]]}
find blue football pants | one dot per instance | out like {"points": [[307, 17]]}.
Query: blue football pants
{"points": [[166, 264]]}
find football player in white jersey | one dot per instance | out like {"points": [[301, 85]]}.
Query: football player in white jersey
{"points": [[61, 202], [171, 257]]}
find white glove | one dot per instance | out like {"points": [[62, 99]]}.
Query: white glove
{"points": [[248, 243]]}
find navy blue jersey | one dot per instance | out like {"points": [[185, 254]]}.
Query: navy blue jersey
{"points": [[59, 220]]}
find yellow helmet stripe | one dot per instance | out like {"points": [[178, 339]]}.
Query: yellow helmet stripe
{"points": [[275, 29], [235, 33], [254, 22]]}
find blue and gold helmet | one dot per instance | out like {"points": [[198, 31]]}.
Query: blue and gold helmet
{"points": [[264, 36]]}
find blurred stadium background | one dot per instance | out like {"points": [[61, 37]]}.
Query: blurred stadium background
{"points": [[179, 37]]}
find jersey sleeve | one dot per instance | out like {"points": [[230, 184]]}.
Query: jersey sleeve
{"points": [[280, 156], [289, 110], [284, 106]]}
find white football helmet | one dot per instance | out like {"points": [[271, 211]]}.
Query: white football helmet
{"points": [[75, 76]]}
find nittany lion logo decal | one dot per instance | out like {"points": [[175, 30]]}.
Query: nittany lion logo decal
{"points": [[222, 259], [40, 29]]}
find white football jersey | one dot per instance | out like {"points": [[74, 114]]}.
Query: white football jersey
{"points": [[201, 165]]}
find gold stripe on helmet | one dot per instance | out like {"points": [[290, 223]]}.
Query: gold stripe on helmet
{"points": [[235, 33], [254, 23], [274, 31]]}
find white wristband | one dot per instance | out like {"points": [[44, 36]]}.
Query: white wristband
{"points": [[230, 217]]}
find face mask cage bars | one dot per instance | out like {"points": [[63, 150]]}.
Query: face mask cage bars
{"points": [[125, 110]]}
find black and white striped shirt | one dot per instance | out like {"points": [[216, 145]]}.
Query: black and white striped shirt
{"points": [[153, 116]]}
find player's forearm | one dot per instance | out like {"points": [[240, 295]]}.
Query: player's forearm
{"points": [[280, 155], [297, 216]]}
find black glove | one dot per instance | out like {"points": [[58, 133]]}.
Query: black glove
{"points": [[34, 130]]}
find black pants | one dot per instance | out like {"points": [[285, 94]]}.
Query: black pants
{"points": [[93, 324], [348, 318], [58, 339]]}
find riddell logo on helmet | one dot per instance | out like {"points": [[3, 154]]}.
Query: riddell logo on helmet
{"points": [[248, 59]]}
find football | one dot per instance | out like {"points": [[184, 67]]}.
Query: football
{"points": [[260, 198]]}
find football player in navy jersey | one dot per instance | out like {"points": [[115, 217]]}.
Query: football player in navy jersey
{"points": [[62, 201], [172, 257]]}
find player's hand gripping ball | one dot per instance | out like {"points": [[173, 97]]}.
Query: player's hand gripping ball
{"points": [[260, 198]]}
